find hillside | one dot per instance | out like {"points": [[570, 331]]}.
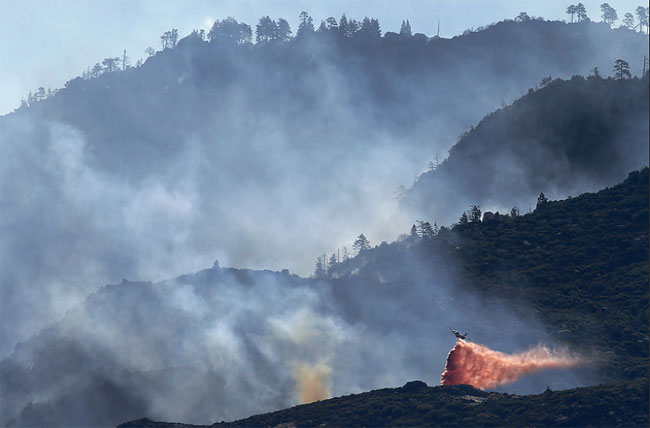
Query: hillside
{"points": [[416, 405], [573, 273], [206, 150], [599, 133], [580, 264]]}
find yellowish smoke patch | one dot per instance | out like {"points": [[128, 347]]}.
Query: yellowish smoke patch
{"points": [[312, 382]]}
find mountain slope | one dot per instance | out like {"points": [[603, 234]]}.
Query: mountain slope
{"points": [[572, 273], [580, 264], [565, 138], [416, 405]]}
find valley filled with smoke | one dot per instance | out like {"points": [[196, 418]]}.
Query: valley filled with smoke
{"points": [[264, 156], [190, 348], [231, 151]]}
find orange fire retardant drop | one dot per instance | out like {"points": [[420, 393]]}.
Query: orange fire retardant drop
{"points": [[477, 365]]}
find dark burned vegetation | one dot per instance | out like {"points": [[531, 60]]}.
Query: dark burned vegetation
{"points": [[416, 405], [583, 265]]}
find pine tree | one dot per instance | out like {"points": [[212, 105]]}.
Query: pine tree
{"points": [[622, 70], [463, 218], [110, 64], [125, 60], [642, 15], [331, 23], [343, 26], [361, 244], [628, 20], [333, 261], [306, 25], [320, 271], [609, 13], [571, 10], [266, 30], [541, 200], [405, 29], [427, 230], [581, 12], [283, 30], [475, 213]]}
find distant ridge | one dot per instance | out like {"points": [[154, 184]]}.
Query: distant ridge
{"points": [[562, 139]]}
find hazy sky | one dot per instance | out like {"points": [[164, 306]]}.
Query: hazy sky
{"points": [[47, 42]]}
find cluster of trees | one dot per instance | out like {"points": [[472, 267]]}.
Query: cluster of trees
{"points": [[38, 95], [109, 65], [424, 229], [325, 263], [268, 30], [542, 200], [621, 70], [579, 11], [473, 215], [231, 30], [405, 29], [169, 39], [610, 16], [642, 14], [368, 28]]}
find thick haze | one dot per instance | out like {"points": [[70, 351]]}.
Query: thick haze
{"points": [[261, 156], [50, 41], [189, 349]]}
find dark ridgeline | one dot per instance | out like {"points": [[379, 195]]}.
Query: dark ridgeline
{"points": [[417, 405], [410, 86], [563, 138]]}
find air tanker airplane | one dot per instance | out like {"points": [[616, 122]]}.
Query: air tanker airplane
{"points": [[459, 335]]}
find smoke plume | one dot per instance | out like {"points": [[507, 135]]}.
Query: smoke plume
{"points": [[477, 365], [312, 382]]}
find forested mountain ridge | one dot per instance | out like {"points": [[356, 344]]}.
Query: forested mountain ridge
{"points": [[573, 272], [562, 139], [377, 71]]}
